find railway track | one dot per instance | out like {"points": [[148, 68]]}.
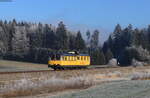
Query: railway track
{"points": [[7, 77], [49, 70]]}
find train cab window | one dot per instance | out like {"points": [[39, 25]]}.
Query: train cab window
{"points": [[55, 57], [52, 57]]}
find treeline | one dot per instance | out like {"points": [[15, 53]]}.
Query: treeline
{"points": [[34, 42], [129, 46]]}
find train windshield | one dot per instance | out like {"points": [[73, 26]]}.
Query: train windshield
{"points": [[55, 57]]}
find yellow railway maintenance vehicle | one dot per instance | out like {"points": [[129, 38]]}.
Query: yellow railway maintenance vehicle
{"points": [[69, 60]]}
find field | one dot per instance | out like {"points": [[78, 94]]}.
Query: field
{"points": [[84, 83], [121, 89], [20, 66]]}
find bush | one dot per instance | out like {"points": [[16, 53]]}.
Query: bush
{"points": [[112, 62], [137, 53], [136, 63]]}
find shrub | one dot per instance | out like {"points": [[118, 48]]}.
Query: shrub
{"points": [[112, 62], [137, 53]]}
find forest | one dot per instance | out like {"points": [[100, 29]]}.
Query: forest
{"points": [[34, 42]]}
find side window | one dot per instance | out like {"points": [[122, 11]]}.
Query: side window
{"points": [[65, 58], [78, 58], [88, 58], [71, 58], [74, 58], [81, 57]]}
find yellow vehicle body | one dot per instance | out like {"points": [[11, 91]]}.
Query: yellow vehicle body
{"points": [[70, 60]]}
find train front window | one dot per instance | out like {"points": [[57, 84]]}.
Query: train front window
{"points": [[55, 57], [52, 57]]}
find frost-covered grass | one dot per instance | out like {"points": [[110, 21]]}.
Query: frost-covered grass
{"points": [[140, 76], [46, 84], [121, 89], [26, 87]]}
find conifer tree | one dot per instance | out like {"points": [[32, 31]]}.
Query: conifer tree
{"points": [[80, 44], [62, 37]]}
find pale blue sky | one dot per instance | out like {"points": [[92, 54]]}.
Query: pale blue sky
{"points": [[80, 14]]}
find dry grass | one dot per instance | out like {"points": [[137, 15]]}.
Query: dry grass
{"points": [[26, 87], [47, 84]]}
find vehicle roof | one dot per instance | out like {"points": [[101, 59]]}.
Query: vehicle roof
{"points": [[70, 54]]}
